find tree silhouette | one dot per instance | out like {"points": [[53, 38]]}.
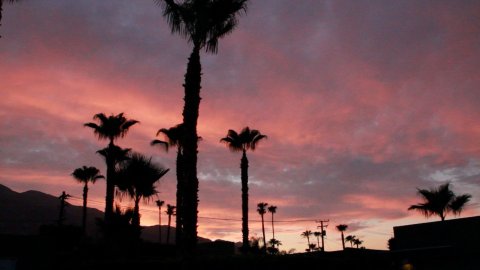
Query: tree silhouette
{"points": [[357, 242], [317, 235], [272, 209], [159, 204], [110, 128], [173, 137], [202, 23], [440, 201], [1, 8], [262, 209], [274, 243], [341, 228], [85, 175], [307, 234], [350, 238], [137, 177], [170, 211], [63, 200], [311, 247], [246, 140]]}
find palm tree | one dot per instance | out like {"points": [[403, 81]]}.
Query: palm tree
{"points": [[137, 177], [170, 211], [85, 175], [202, 23], [272, 209], [317, 235], [312, 247], [357, 242], [246, 140], [63, 202], [159, 205], [274, 243], [440, 201], [173, 137], [110, 128], [1, 8], [262, 209], [350, 238], [341, 228], [307, 234]]}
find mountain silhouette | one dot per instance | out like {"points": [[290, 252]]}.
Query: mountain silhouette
{"points": [[22, 213]]}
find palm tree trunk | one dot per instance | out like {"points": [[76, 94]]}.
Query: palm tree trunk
{"points": [[308, 241], [244, 168], [110, 189], [190, 146], [84, 216], [343, 242], [136, 213], [273, 228], [159, 225], [168, 229], [180, 190], [263, 232]]}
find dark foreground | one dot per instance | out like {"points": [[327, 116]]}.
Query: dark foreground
{"points": [[42, 253]]}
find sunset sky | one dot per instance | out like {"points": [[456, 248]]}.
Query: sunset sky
{"points": [[362, 102]]}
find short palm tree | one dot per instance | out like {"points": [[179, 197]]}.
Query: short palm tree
{"points": [[357, 242], [317, 235], [272, 209], [440, 201], [136, 177], [273, 246], [159, 204], [173, 137], [262, 209], [110, 128], [85, 175], [170, 212], [307, 234], [341, 228], [245, 140], [202, 23], [350, 238]]}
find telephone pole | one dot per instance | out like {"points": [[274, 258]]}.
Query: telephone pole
{"points": [[322, 231]]}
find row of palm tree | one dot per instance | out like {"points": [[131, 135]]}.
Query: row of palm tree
{"points": [[307, 234], [354, 240], [262, 209]]}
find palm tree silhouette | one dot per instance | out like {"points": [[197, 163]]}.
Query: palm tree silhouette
{"points": [[272, 209], [170, 211], [357, 242], [262, 209], [440, 201], [202, 23], [247, 139], [1, 8], [110, 128], [85, 175], [272, 249], [159, 205], [341, 228], [307, 234], [350, 238], [317, 235], [173, 137], [63, 201], [137, 177]]}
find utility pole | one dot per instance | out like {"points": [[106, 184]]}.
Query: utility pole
{"points": [[322, 231]]}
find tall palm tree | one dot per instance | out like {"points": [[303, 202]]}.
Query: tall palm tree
{"points": [[350, 238], [137, 177], [440, 201], [86, 175], [341, 228], [317, 235], [245, 140], [202, 23], [110, 128], [262, 209], [159, 205], [1, 8], [307, 234], [173, 137], [170, 211], [272, 209]]}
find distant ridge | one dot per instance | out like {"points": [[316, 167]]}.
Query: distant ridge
{"points": [[23, 214]]}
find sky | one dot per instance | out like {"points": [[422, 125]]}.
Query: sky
{"points": [[363, 102]]}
